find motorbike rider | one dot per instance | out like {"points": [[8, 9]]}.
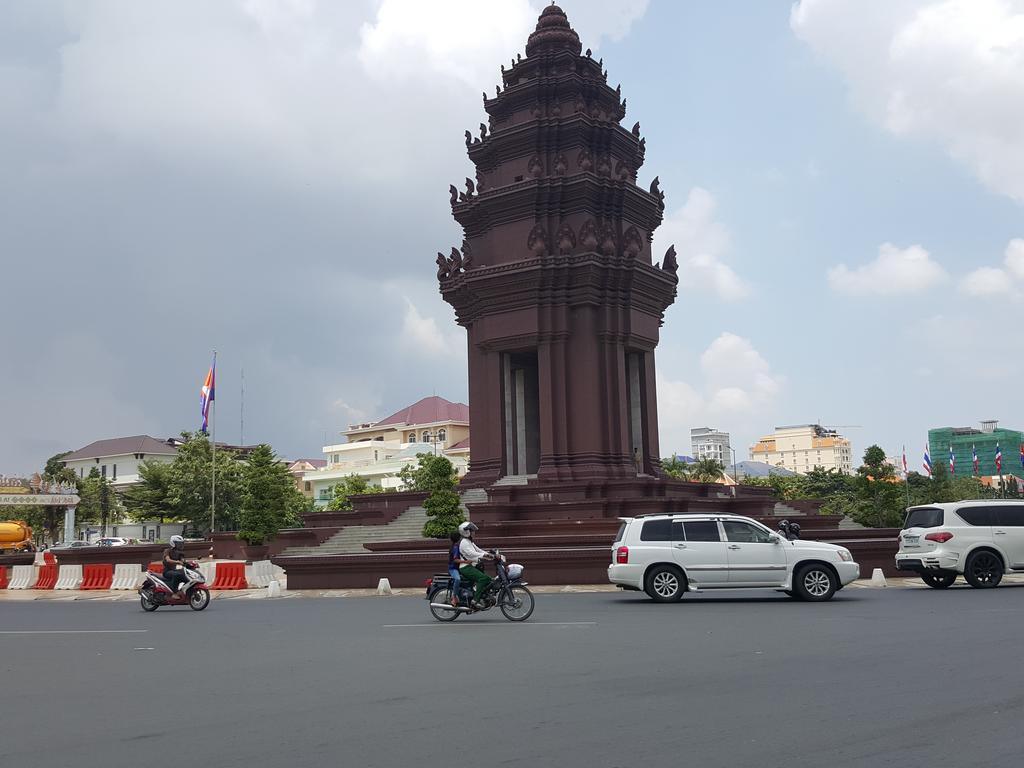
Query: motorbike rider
{"points": [[174, 563], [473, 555]]}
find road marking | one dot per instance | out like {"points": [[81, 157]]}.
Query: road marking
{"points": [[71, 631], [497, 624]]}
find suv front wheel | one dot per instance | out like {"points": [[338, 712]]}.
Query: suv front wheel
{"points": [[665, 584], [983, 569], [815, 583]]}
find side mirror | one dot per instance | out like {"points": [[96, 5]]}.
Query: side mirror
{"points": [[775, 538]]}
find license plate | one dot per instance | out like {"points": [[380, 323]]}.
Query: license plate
{"points": [[911, 540]]}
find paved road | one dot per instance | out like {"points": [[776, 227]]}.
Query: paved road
{"points": [[875, 678]]}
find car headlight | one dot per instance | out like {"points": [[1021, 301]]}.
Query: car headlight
{"points": [[845, 556]]}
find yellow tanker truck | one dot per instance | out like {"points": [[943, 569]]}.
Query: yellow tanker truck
{"points": [[15, 536]]}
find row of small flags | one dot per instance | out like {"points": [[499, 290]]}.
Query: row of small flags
{"points": [[927, 464]]}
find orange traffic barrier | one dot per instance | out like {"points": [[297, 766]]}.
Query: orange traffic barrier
{"points": [[98, 576], [47, 576], [48, 558], [3, 577], [230, 576], [157, 568]]}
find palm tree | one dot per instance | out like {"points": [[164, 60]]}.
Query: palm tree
{"points": [[707, 471], [676, 468]]}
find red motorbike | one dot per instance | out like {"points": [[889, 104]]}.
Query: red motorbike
{"points": [[194, 593]]}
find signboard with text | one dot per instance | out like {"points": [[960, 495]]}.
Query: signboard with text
{"points": [[45, 499]]}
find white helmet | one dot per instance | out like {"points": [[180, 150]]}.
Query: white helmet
{"points": [[177, 541], [467, 529]]}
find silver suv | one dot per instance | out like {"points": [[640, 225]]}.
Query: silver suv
{"points": [[980, 539]]}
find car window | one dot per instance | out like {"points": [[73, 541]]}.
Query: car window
{"points": [[977, 515], [622, 530], [701, 530], [737, 530], [924, 517], [656, 530], [1010, 515]]}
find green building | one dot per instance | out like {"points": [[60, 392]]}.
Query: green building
{"points": [[983, 440]]}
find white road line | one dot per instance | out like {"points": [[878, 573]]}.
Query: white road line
{"points": [[71, 631], [496, 624]]}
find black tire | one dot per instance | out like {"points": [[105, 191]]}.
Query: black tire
{"points": [[790, 592], [939, 579], [147, 603], [983, 569], [815, 583], [665, 584], [198, 599], [443, 596], [522, 607]]}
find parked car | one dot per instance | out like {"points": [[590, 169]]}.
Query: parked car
{"points": [[980, 540], [669, 555], [112, 541], [71, 545]]}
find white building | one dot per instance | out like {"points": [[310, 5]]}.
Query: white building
{"points": [[802, 447], [379, 450], [118, 459], [708, 443]]}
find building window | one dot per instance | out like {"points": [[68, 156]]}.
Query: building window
{"points": [[81, 471], [103, 471], [426, 437], [412, 437], [442, 435], [115, 472], [334, 459]]}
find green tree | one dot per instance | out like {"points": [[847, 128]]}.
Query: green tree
{"points": [[52, 518], [268, 500], [99, 501], [676, 468], [353, 485], [707, 470], [188, 486], [148, 499], [436, 476], [878, 498]]}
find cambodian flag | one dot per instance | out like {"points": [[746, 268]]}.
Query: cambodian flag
{"points": [[927, 461], [999, 460], [974, 458], [905, 468], [1022, 454], [952, 461], [207, 393]]}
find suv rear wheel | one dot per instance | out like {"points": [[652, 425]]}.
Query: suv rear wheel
{"points": [[815, 583], [939, 579], [665, 584], [983, 569]]}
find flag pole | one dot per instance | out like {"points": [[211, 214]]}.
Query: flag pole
{"points": [[906, 475], [213, 444]]}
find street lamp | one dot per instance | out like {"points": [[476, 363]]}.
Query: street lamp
{"points": [[734, 478]]}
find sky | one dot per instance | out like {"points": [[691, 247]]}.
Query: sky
{"points": [[844, 179]]}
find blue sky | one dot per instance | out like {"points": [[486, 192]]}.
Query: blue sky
{"points": [[270, 179]]}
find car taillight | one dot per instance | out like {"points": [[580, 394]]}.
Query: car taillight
{"points": [[428, 582], [942, 538], [622, 555]]}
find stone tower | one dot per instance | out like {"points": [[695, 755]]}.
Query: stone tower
{"points": [[555, 281]]}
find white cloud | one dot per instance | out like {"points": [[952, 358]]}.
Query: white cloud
{"points": [[467, 40], [896, 271], [950, 72], [422, 335], [996, 281], [701, 240], [736, 382]]}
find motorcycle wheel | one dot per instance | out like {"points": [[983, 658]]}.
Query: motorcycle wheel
{"points": [[442, 614], [147, 603], [198, 599], [520, 608]]}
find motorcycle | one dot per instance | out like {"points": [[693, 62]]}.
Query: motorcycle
{"points": [[155, 592], [508, 592]]}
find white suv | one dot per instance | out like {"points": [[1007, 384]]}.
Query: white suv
{"points": [[979, 539], [667, 555]]}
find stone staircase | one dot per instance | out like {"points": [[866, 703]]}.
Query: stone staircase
{"points": [[350, 539], [784, 510]]}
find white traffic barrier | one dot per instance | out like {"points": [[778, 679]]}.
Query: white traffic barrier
{"points": [[274, 589], [209, 569], [126, 576], [23, 577], [260, 573], [69, 577], [40, 559], [384, 587], [878, 578]]}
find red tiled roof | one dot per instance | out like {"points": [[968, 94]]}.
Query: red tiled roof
{"points": [[462, 445], [317, 463], [429, 410]]}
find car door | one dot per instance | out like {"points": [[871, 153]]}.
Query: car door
{"points": [[1008, 532], [756, 557], [698, 547]]}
